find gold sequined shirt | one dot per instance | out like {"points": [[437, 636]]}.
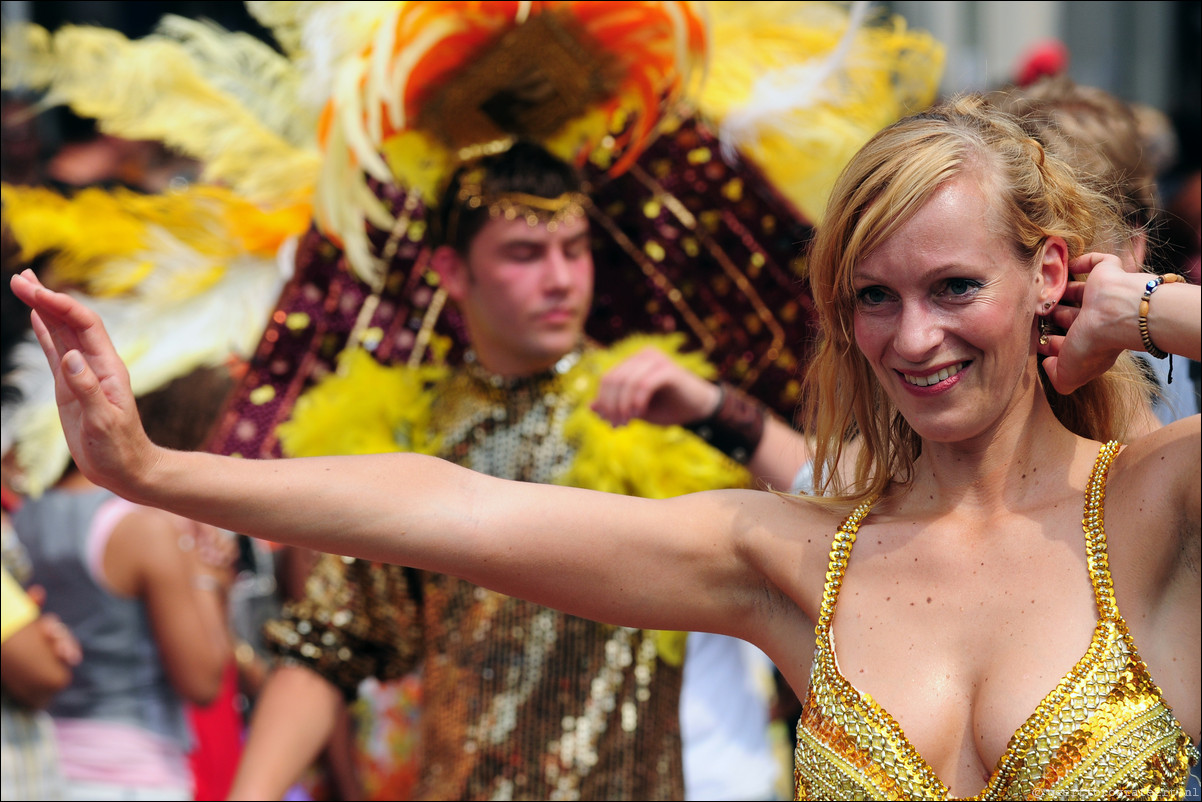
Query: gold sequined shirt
{"points": [[1104, 732], [519, 701]]}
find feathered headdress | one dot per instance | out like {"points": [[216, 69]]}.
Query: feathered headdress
{"points": [[440, 82], [335, 143], [388, 92]]}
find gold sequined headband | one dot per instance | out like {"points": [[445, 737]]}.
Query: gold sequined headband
{"points": [[534, 209]]}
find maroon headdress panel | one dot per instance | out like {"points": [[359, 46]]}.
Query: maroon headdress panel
{"points": [[690, 239]]}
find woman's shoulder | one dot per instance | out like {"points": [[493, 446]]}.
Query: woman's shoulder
{"points": [[140, 523], [1156, 471], [776, 528], [763, 505], [145, 541], [1167, 454]]}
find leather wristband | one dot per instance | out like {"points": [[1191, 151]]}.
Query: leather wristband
{"points": [[736, 425]]}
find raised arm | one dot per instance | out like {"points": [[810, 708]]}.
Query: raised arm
{"points": [[1101, 316], [613, 558], [1154, 489], [652, 386]]}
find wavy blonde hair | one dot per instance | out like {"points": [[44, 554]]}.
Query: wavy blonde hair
{"points": [[1035, 196]]}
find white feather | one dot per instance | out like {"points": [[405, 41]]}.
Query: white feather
{"points": [[264, 81], [791, 88], [333, 34]]}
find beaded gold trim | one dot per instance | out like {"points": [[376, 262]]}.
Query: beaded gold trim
{"points": [[552, 212], [1109, 631], [841, 547], [1095, 532]]}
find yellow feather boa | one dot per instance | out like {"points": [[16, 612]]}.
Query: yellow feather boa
{"points": [[369, 408]]}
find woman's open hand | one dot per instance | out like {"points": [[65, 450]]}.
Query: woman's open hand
{"points": [[92, 389]]}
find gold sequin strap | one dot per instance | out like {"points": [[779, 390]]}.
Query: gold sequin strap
{"points": [[1095, 532], [845, 538]]}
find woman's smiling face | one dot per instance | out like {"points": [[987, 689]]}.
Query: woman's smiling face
{"points": [[944, 315]]}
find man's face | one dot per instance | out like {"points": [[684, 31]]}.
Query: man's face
{"points": [[524, 292]]}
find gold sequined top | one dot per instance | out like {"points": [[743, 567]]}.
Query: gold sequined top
{"points": [[519, 701], [1104, 732]]}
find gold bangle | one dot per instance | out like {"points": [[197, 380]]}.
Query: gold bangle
{"points": [[1149, 288]]}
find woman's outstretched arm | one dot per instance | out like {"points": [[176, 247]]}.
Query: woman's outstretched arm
{"points": [[613, 558]]}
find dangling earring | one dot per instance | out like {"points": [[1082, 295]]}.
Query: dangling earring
{"points": [[1045, 329]]}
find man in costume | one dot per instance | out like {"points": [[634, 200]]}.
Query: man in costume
{"points": [[518, 700]]}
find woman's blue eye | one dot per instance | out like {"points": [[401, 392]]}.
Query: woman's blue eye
{"points": [[871, 296], [958, 287]]}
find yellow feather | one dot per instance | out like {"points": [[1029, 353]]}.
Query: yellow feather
{"points": [[264, 82], [284, 19], [800, 87], [367, 408], [173, 245], [363, 408]]}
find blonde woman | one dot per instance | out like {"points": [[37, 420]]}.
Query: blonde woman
{"points": [[986, 643]]}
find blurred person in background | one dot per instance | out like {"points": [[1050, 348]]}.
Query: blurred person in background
{"points": [[145, 593], [37, 651]]}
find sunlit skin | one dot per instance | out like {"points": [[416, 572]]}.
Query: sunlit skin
{"points": [[524, 292], [947, 322]]}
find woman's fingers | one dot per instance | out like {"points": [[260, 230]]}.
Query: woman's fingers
{"points": [[49, 308], [1085, 263], [68, 366], [79, 377], [49, 346], [64, 325], [1074, 292], [1062, 317]]}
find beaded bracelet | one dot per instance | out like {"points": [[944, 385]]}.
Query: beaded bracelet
{"points": [[1149, 288]]}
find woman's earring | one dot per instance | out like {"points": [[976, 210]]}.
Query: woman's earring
{"points": [[1045, 329]]}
